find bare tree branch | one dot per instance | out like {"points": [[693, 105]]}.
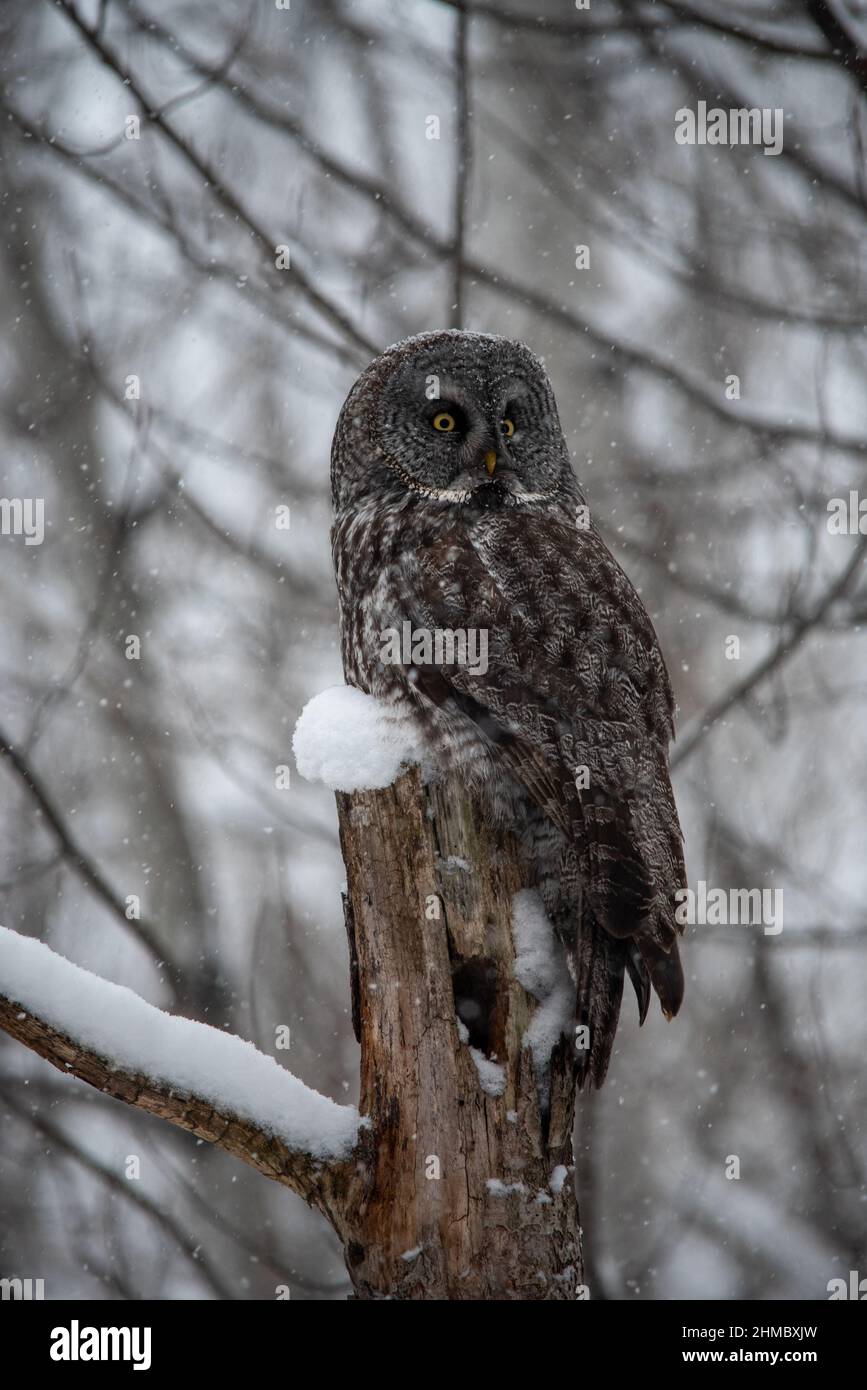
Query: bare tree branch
{"points": [[462, 164], [631, 354], [164, 1220], [679, 18], [215, 184], [789, 643], [847, 51], [75, 856], [206, 265]]}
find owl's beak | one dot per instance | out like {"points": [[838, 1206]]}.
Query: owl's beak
{"points": [[490, 461]]}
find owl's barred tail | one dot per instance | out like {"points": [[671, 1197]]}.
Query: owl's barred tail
{"points": [[623, 873], [601, 962]]}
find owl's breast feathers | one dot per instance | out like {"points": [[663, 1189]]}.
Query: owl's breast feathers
{"points": [[575, 704]]}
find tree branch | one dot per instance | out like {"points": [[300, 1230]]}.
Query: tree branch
{"points": [[693, 387], [127, 1191], [74, 855], [462, 164], [788, 644], [847, 51], [674, 18], [208, 1082], [645, 359], [220, 191], [205, 264]]}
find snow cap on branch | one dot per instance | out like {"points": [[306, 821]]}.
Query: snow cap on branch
{"points": [[352, 742], [177, 1053]]}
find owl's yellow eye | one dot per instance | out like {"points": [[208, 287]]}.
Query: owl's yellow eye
{"points": [[444, 422], [508, 427]]}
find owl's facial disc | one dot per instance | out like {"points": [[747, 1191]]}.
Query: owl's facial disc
{"points": [[472, 420]]}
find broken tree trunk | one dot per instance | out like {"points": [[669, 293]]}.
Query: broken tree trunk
{"points": [[455, 1192]]}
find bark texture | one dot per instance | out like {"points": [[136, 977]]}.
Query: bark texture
{"points": [[457, 1193]]}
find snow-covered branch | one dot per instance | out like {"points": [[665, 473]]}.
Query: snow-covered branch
{"points": [[214, 1084]]}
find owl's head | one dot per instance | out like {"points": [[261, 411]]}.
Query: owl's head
{"points": [[466, 419]]}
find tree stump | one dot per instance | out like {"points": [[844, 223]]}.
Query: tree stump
{"points": [[455, 1192]]}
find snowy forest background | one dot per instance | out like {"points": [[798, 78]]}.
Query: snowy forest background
{"points": [[154, 258]]}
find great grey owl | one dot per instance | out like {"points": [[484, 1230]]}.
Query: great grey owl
{"points": [[457, 511]]}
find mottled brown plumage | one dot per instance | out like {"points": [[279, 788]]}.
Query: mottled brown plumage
{"points": [[480, 524]]}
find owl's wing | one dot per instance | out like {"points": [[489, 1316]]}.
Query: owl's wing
{"points": [[575, 701]]}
